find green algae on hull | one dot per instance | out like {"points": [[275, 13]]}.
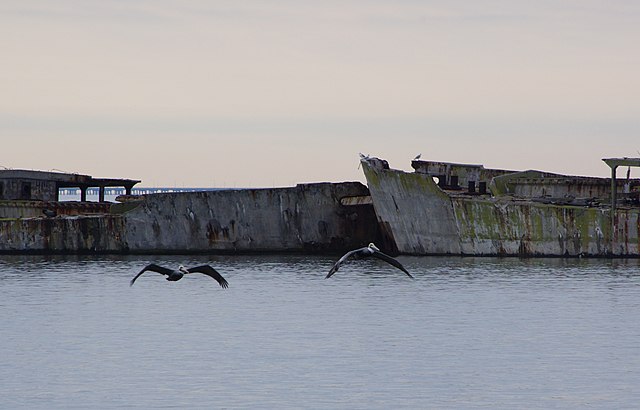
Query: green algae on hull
{"points": [[425, 219]]}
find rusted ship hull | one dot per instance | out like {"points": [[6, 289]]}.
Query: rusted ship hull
{"points": [[421, 217]]}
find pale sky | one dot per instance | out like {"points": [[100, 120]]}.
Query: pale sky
{"points": [[264, 93]]}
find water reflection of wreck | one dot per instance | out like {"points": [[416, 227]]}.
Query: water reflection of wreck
{"points": [[448, 208]]}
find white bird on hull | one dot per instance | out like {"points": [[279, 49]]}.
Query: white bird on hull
{"points": [[177, 274], [367, 251]]}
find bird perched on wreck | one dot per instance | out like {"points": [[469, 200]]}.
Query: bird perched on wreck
{"points": [[363, 157], [177, 274], [367, 251]]}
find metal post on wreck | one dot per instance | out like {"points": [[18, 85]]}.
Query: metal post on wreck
{"points": [[614, 163]]}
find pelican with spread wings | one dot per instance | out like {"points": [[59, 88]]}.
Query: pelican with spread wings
{"points": [[177, 274], [367, 251]]}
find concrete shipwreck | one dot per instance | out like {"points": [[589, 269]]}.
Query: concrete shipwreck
{"points": [[320, 217], [439, 209], [461, 209]]}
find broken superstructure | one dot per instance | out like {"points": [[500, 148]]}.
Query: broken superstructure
{"points": [[448, 208], [27, 193]]}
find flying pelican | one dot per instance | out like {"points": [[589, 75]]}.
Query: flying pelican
{"points": [[371, 250], [174, 275]]}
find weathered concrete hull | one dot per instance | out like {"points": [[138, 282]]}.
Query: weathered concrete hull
{"points": [[420, 218], [33, 209], [74, 234], [305, 218]]}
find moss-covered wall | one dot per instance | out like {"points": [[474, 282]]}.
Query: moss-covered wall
{"points": [[76, 234], [506, 227], [412, 211], [423, 219]]}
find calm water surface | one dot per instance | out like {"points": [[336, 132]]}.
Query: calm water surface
{"points": [[466, 333]]}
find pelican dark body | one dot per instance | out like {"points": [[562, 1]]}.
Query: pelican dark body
{"points": [[174, 275], [367, 251]]}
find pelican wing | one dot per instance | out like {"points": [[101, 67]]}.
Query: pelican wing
{"points": [[336, 265], [152, 267], [209, 271], [391, 261]]}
